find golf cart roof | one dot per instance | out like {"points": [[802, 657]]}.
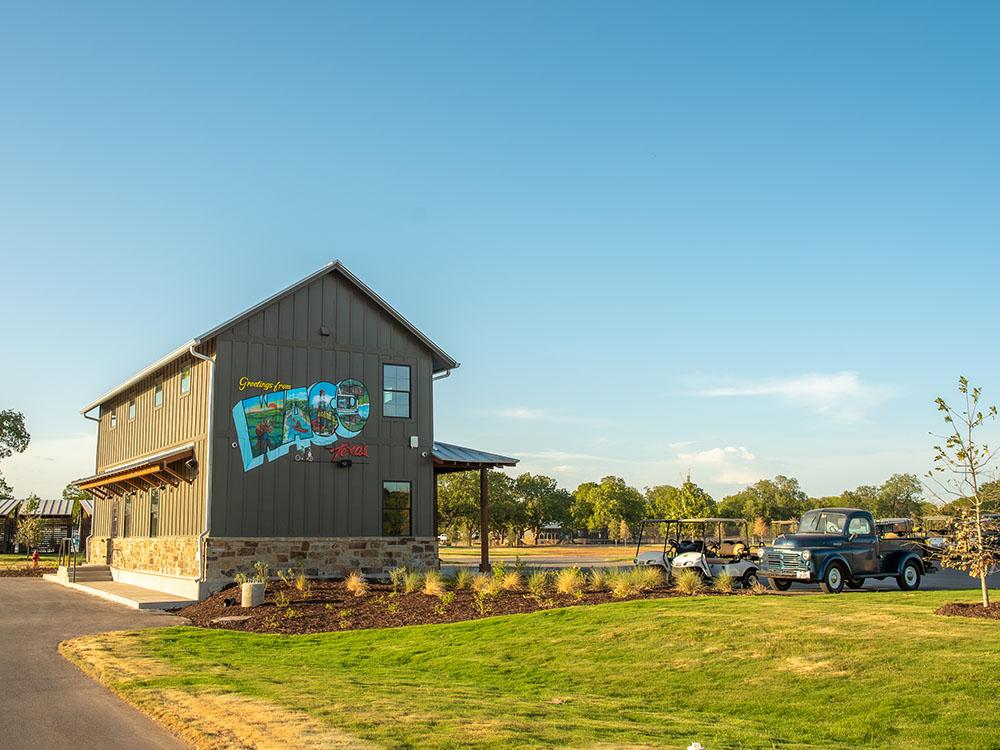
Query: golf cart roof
{"points": [[893, 520], [714, 520], [660, 520]]}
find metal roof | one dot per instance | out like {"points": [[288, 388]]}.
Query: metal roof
{"points": [[441, 360], [456, 454], [45, 507]]}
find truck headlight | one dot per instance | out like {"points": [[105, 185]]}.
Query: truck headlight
{"points": [[806, 554]]}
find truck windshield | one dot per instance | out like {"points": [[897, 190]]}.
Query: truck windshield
{"points": [[821, 522]]}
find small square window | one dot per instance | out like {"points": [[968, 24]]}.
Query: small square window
{"points": [[114, 420], [131, 409], [396, 509], [158, 395], [185, 380]]}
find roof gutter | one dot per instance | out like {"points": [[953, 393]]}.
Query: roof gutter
{"points": [[202, 568]]}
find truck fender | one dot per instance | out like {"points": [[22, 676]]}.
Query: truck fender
{"points": [[836, 557], [911, 556]]}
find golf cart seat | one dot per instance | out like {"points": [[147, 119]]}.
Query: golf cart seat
{"points": [[732, 548]]}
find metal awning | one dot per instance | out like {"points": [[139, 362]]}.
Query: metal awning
{"points": [[143, 474], [8, 506], [448, 457]]}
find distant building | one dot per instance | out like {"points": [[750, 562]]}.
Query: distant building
{"points": [[57, 516]]}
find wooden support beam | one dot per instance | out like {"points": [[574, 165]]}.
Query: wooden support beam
{"points": [[484, 520], [153, 483], [167, 470], [164, 477], [119, 478]]}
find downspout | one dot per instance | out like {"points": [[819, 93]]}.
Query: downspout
{"points": [[202, 566], [90, 536]]}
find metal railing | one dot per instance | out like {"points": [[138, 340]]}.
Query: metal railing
{"points": [[67, 557]]}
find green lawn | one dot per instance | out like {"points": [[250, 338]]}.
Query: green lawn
{"points": [[872, 670], [24, 561]]}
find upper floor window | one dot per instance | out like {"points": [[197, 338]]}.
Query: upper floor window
{"points": [[185, 380], [131, 409], [114, 420], [158, 395], [396, 391]]}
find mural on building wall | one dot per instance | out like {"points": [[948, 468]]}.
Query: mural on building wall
{"points": [[269, 425]]}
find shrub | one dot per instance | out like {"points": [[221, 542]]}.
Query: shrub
{"points": [[511, 581], [412, 581], [648, 577], [538, 582], [570, 581], [723, 583], [434, 584], [689, 582], [396, 576], [462, 579], [356, 583], [303, 585], [599, 579], [621, 583], [478, 582]]}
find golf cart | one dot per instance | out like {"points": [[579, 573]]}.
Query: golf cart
{"points": [[671, 533], [710, 546], [717, 546]]}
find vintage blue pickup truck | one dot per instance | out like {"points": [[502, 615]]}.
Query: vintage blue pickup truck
{"points": [[837, 547]]}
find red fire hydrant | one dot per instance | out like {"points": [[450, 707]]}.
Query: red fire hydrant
{"points": [[34, 559]]}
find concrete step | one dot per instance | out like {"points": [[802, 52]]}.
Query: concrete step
{"points": [[92, 573]]}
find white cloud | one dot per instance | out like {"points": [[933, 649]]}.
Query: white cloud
{"points": [[717, 455], [841, 395], [521, 412], [49, 464]]}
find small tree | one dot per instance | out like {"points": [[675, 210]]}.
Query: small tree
{"points": [[30, 529], [973, 545]]}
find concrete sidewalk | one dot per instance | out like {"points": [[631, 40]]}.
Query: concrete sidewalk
{"points": [[48, 702]]}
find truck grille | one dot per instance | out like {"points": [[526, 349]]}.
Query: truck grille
{"points": [[776, 560]]}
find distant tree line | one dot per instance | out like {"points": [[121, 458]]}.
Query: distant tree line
{"points": [[523, 508]]}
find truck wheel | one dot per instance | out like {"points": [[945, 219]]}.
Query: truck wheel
{"points": [[780, 584], [855, 583], [909, 578], [833, 580], [750, 580]]}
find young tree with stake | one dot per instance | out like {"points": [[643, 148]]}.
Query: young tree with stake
{"points": [[973, 547]]}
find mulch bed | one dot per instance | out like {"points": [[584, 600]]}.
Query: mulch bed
{"points": [[330, 608], [970, 610], [26, 572]]}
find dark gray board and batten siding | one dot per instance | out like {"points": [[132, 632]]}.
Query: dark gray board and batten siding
{"points": [[282, 342]]}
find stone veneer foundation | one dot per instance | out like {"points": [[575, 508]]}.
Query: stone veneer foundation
{"points": [[317, 556], [166, 555]]}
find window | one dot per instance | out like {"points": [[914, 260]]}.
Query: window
{"points": [[185, 380], [158, 395], [154, 511], [114, 420], [859, 525], [127, 517], [131, 409], [821, 522], [396, 509], [396, 391]]}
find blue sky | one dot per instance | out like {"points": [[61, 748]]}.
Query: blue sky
{"points": [[738, 240]]}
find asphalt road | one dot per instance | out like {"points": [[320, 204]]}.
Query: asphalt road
{"points": [[47, 701]]}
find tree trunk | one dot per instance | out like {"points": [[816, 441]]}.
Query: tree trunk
{"points": [[986, 591]]}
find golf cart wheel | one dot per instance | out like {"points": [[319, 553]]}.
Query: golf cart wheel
{"points": [[909, 578], [780, 584], [833, 580], [855, 583], [750, 580]]}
